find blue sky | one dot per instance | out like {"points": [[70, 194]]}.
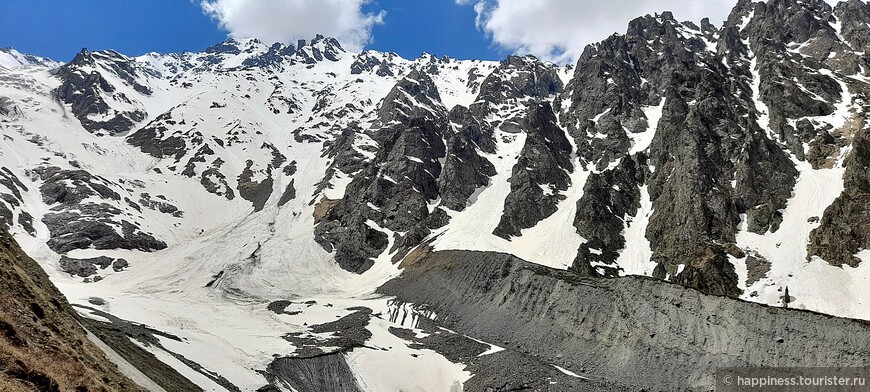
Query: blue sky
{"points": [[556, 30], [435, 26], [59, 29]]}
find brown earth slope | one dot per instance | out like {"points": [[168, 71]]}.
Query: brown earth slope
{"points": [[42, 345]]}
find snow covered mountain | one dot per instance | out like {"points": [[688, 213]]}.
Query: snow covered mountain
{"points": [[265, 210], [11, 58]]}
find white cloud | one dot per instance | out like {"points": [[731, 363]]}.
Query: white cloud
{"points": [[558, 30], [289, 20]]}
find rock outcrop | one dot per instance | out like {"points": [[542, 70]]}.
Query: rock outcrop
{"points": [[465, 169], [609, 198], [85, 88], [75, 223], [631, 333], [540, 174], [845, 226], [394, 190]]}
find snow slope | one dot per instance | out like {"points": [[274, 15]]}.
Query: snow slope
{"points": [[260, 257]]}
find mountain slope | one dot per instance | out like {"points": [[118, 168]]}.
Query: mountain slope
{"points": [[11, 58], [238, 208], [43, 347], [636, 333]]}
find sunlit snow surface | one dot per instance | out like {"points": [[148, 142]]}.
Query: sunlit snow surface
{"points": [[226, 328]]}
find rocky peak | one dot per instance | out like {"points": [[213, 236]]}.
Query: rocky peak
{"points": [[616, 79], [327, 42], [249, 48], [400, 181], [518, 78], [707, 27], [427, 63], [414, 96], [275, 55], [86, 87], [427, 57], [381, 64], [318, 49], [668, 36], [781, 21], [83, 57], [853, 16], [741, 10], [230, 46]]}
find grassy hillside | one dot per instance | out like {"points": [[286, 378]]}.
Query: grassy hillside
{"points": [[42, 345]]}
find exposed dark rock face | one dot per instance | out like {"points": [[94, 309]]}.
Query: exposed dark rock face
{"points": [[319, 49], [277, 54], [785, 86], [710, 160], [84, 267], [465, 170], [84, 91], [94, 226], [156, 140], [9, 109], [230, 46], [693, 207], [476, 131], [609, 199], [319, 364], [87, 267], [853, 15], [289, 194], [824, 150], [395, 188], [78, 224], [615, 79], [507, 89], [415, 96], [257, 192], [12, 202], [845, 226], [368, 62], [518, 77], [344, 155], [159, 203], [540, 174], [71, 187], [630, 333], [757, 268]]}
